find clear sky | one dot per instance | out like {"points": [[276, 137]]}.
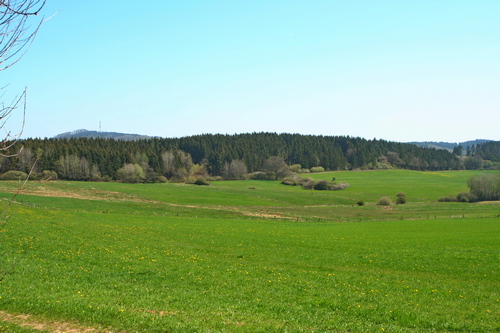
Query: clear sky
{"points": [[396, 70]]}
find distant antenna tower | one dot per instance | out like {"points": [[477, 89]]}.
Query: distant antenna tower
{"points": [[99, 126]]}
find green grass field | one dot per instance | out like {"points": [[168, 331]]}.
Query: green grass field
{"points": [[252, 256]]}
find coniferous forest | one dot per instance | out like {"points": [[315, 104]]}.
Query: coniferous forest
{"points": [[213, 155]]}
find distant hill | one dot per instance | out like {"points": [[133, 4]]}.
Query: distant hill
{"points": [[449, 145], [83, 133]]}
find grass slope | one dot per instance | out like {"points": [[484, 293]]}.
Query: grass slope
{"points": [[250, 256]]}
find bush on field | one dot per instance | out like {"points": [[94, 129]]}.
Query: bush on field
{"points": [[317, 169], [49, 175], [14, 175], [289, 181], [321, 185], [295, 168], [360, 203], [384, 201], [466, 197], [448, 198], [162, 179], [201, 181], [338, 186], [401, 198], [307, 183], [259, 175]]}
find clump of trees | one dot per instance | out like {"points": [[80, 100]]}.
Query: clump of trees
{"points": [[485, 187], [276, 168], [131, 173], [235, 170], [177, 165]]}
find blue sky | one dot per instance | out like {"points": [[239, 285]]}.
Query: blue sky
{"points": [[394, 70]]}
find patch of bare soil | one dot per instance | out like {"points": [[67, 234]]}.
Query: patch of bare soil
{"points": [[261, 213], [51, 326], [488, 202], [82, 194]]}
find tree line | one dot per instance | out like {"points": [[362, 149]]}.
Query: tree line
{"points": [[214, 155], [484, 155]]}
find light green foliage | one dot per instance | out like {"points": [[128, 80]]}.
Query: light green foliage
{"points": [[295, 168], [14, 175], [317, 169], [130, 173], [247, 256]]}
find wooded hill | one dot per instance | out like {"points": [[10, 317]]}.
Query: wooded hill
{"points": [[449, 145], [104, 157], [83, 133]]}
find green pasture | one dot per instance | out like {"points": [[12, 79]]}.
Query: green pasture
{"points": [[254, 256]]}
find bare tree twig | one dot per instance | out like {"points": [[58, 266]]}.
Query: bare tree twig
{"points": [[16, 35]]}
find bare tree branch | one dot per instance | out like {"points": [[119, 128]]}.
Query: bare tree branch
{"points": [[16, 35], [15, 32]]}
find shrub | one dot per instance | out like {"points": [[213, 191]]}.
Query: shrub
{"points": [[321, 185], [384, 201], [162, 179], [317, 169], [466, 197], [259, 175], [289, 181], [360, 203], [106, 178], [338, 186], [307, 183], [401, 198], [271, 175], [49, 175], [448, 198], [14, 175], [201, 181]]}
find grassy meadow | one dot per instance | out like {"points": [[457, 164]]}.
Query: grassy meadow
{"points": [[251, 256]]}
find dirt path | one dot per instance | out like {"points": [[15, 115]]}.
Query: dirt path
{"points": [[30, 322]]}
